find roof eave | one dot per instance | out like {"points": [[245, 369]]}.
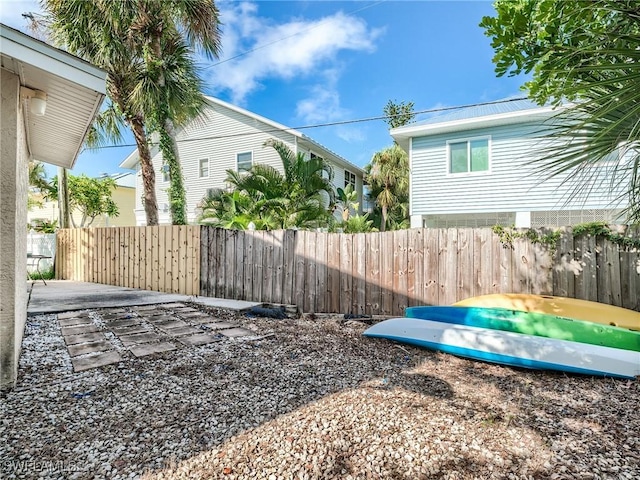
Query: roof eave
{"points": [[522, 116]]}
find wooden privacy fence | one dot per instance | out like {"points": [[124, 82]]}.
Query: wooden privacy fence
{"points": [[373, 273], [163, 259]]}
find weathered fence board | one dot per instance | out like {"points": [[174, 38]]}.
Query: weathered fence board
{"points": [[376, 273]]}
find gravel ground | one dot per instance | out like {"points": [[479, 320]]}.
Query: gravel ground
{"points": [[314, 400]]}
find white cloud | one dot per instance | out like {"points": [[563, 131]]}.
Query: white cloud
{"points": [[297, 48]]}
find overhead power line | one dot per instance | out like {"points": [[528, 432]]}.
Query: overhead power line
{"points": [[328, 124]]}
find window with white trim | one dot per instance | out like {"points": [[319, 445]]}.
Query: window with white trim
{"points": [[468, 156], [204, 167], [244, 161], [165, 173], [349, 179]]}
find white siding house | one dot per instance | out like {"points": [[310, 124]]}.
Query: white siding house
{"points": [[473, 168], [227, 137]]}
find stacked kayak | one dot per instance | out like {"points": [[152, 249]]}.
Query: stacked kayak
{"points": [[530, 339], [560, 306]]}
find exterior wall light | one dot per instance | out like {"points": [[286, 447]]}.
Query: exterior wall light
{"points": [[37, 100]]}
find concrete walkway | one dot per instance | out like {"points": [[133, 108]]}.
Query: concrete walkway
{"points": [[64, 296]]}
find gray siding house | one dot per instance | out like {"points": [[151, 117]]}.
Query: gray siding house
{"points": [[227, 137], [471, 168]]}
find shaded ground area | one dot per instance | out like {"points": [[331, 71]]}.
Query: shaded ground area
{"points": [[308, 399]]}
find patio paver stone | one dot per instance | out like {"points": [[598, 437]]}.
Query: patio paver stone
{"points": [[236, 332], [200, 320], [180, 331], [170, 324], [125, 322], [130, 330], [201, 339], [72, 314], [94, 361], [78, 329], [150, 348], [136, 338], [83, 338], [220, 325], [117, 316], [161, 319], [73, 322], [92, 347]]}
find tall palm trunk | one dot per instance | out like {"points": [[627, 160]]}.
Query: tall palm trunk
{"points": [[148, 174], [168, 144]]}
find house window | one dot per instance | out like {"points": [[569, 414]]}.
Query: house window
{"points": [[210, 192], [349, 179], [165, 173], [469, 156], [204, 167], [313, 155], [244, 161]]}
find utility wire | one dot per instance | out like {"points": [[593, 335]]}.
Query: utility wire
{"points": [[329, 124]]}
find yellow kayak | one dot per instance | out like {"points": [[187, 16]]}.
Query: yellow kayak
{"points": [[560, 306]]}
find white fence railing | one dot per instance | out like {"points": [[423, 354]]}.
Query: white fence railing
{"points": [[41, 244]]}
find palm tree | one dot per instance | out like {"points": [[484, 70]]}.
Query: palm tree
{"points": [[99, 32], [388, 177], [170, 90], [152, 81], [302, 197]]}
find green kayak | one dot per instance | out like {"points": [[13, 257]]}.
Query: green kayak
{"points": [[531, 323]]}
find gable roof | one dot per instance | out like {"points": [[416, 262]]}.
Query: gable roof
{"points": [[491, 114], [303, 140], [75, 90]]}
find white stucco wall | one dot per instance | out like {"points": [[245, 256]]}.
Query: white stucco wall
{"points": [[13, 234]]}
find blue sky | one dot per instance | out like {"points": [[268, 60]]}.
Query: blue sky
{"points": [[316, 62]]}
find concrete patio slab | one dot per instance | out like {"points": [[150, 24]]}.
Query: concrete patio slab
{"points": [[74, 322], [92, 347], [94, 361], [83, 338], [69, 296], [181, 331], [136, 338], [220, 325], [144, 308], [201, 339], [236, 305], [236, 332], [148, 349], [77, 330], [66, 296]]}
